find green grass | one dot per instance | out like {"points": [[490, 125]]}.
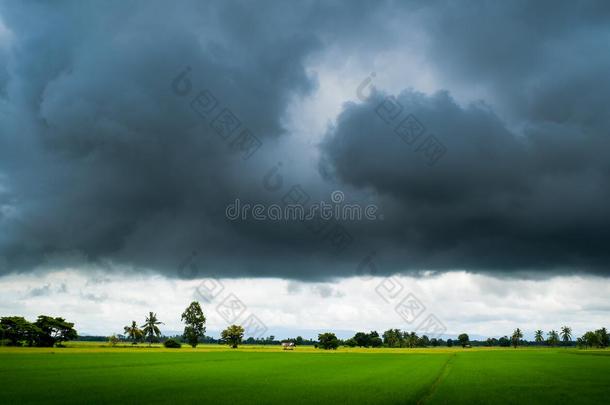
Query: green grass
{"points": [[93, 373]]}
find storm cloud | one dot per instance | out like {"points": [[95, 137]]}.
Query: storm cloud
{"points": [[109, 158]]}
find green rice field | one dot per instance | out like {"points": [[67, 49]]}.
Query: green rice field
{"points": [[95, 373]]}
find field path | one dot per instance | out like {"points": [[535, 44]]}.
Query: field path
{"points": [[441, 375]]}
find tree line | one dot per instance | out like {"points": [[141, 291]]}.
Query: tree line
{"points": [[149, 331], [194, 332], [48, 331], [599, 338]]}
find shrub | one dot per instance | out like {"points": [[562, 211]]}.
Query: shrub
{"points": [[172, 344], [113, 340]]}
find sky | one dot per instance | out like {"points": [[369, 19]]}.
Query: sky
{"points": [[477, 132]]}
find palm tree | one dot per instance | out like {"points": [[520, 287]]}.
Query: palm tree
{"points": [[134, 333], [412, 339], [539, 336], [517, 336], [566, 334], [553, 338], [150, 327], [603, 336]]}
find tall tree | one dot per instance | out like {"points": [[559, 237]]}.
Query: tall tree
{"points": [[553, 339], [463, 339], [392, 337], [375, 340], [424, 341], [516, 338], [603, 337], [55, 330], [328, 341], [17, 329], [591, 339], [194, 321], [362, 339], [539, 336], [150, 328], [134, 333], [504, 341], [412, 339], [233, 335], [566, 334]]}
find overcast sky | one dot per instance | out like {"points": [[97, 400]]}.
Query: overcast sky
{"points": [[478, 130]]}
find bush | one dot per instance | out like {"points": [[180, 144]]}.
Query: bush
{"points": [[172, 344], [113, 340]]}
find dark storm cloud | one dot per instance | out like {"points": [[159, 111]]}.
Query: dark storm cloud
{"points": [[542, 61], [99, 155], [528, 193], [494, 201], [102, 164]]}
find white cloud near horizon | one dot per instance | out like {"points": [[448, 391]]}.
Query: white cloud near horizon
{"points": [[101, 304]]}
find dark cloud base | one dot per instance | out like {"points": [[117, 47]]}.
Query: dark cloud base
{"points": [[102, 163]]}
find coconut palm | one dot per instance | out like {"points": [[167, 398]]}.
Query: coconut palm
{"points": [[134, 333], [553, 338], [539, 336], [412, 339], [566, 334], [150, 328], [603, 337], [517, 336]]}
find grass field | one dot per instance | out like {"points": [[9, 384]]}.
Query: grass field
{"points": [[91, 373]]}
